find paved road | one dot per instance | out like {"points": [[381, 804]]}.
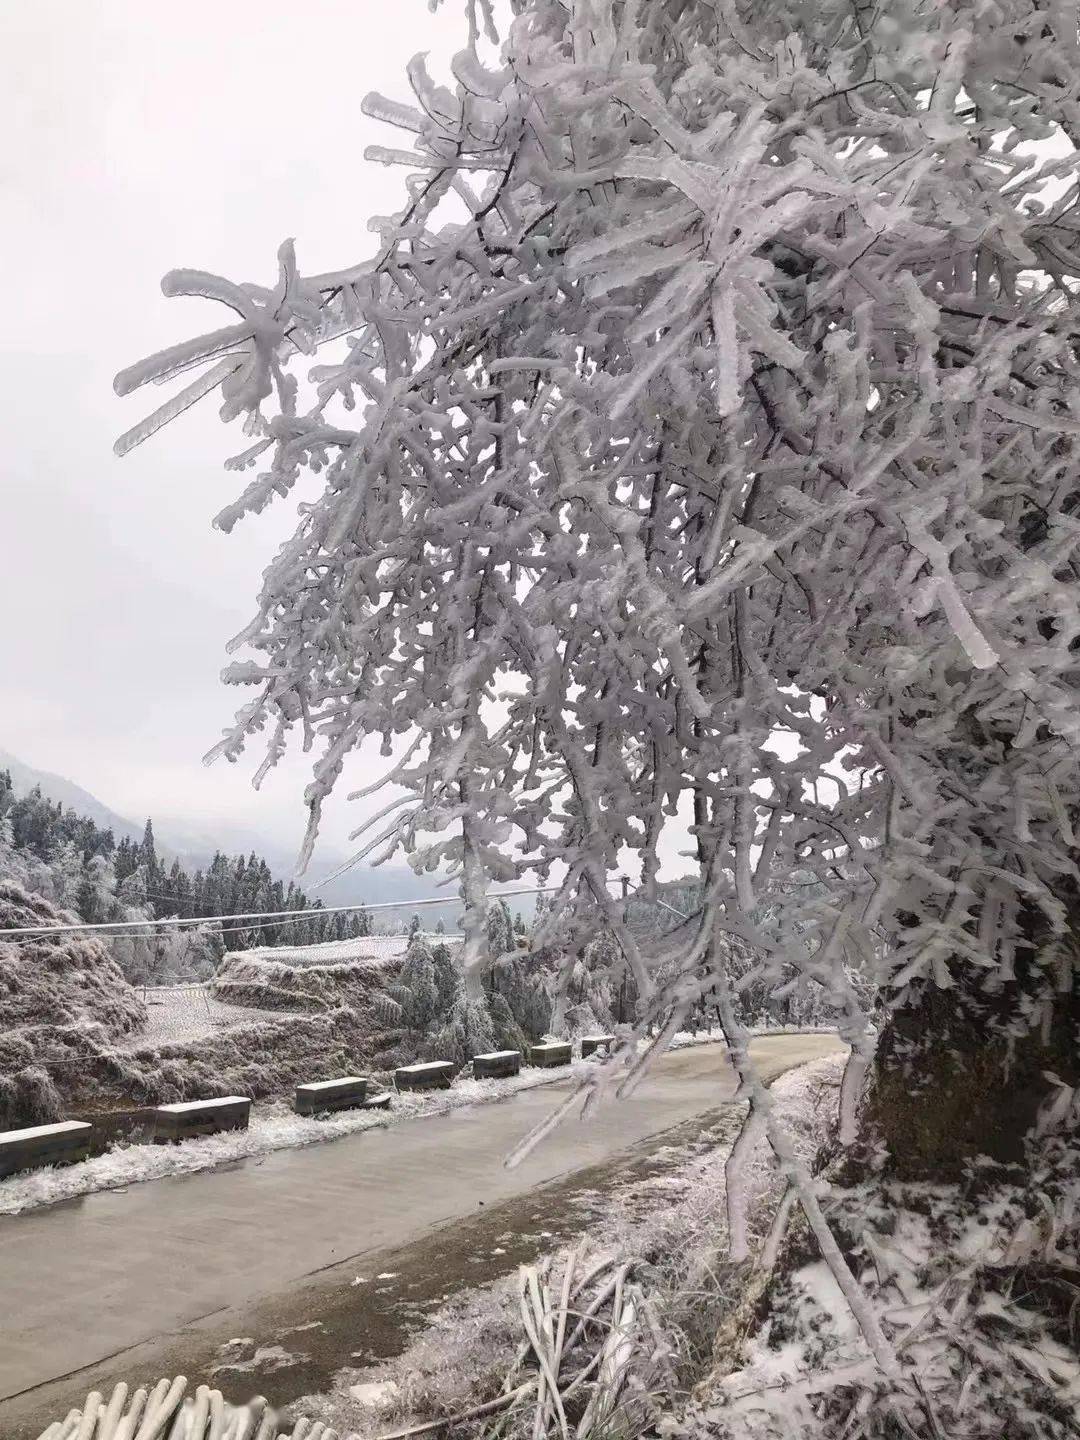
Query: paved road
{"points": [[87, 1281]]}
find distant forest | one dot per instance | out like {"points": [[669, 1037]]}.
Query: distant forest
{"points": [[73, 862]]}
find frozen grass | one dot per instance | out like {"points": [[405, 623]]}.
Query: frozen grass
{"points": [[52, 985], [975, 1284], [274, 1128], [95, 1075], [263, 981], [61, 979]]}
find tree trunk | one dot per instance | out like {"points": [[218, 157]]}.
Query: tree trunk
{"points": [[474, 985], [961, 1072]]}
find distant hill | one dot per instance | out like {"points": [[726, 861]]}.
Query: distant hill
{"points": [[68, 794], [194, 846], [387, 883]]}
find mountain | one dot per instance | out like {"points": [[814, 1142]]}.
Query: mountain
{"points": [[68, 794], [194, 847]]}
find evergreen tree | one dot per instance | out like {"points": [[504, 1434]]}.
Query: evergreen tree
{"points": [[468, 1029], [417, 988], [447, 976], [148, 850], [131, 892], [125, 860], [96, 901], [500, 929], [526, 988], [76, 864], [506, 1031]]}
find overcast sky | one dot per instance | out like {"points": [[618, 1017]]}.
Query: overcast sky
{"points": [[138, 137]]}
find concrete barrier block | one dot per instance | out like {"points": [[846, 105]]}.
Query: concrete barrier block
{"points": [[433, 1075], [590, 1044], [187, 1118], [549, 1053], [496, 1064], [36, 1146], [344, 1094]]}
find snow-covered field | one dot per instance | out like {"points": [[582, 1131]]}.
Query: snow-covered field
{"points": [[376, 950], [179, 1014]]}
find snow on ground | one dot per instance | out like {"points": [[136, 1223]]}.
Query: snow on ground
{"points": [[275, 1128], [181, 1014], [242, 1355], [376, 949], [974, 1285]]}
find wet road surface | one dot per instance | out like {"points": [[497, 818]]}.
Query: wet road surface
{"points": [[155, 1280]]}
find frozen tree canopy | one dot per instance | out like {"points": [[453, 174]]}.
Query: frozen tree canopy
{"points": [[712, 400]]}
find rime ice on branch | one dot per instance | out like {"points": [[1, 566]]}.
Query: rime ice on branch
{"points": [[717, 380]]}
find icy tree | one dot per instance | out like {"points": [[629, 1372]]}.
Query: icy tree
{"points": [[526, 985], [467, 1031], [712, 398], [500, 929], [429, 1001], [415, 993]]}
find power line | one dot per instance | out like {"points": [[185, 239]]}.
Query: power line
{"points": [[312, 913], [315, 908]]}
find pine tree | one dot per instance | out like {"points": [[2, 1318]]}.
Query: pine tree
{"points": [[148, 850], [96, 901], [417, 989], [78, 865], [126, 859], [468, 1030], [500, 929], [447, 977]]}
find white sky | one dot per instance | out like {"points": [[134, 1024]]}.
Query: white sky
{"points": [[140, 136]]}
